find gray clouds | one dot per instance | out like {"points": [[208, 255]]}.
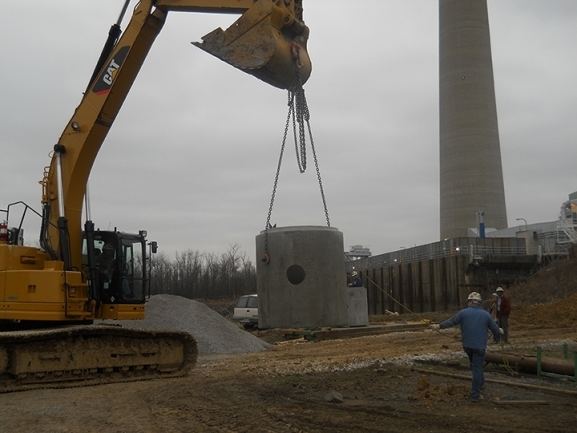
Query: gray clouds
{"points": [[192, 154]]}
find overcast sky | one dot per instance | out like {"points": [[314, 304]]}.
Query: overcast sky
{"points": [[192, 154]]}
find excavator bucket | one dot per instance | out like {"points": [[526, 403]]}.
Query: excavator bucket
{"points": [[267, 41]]}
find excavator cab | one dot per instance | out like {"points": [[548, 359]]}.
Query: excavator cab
{"points": [[268, 41], [118, 271]]}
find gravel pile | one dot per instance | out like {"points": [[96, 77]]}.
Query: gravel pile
{"points": [[212, 332]]}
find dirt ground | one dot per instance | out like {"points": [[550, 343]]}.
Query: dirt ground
{"points": [[403, 382], [556, 281], [365, 384]]}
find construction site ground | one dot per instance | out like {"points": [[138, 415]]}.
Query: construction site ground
{"points": [[363, 384], [401, 382]]}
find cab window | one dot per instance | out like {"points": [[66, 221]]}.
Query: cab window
{"points": [[252, 302], [242, 302]]}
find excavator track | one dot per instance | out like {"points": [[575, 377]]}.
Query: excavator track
{"points": [[89, 355]]}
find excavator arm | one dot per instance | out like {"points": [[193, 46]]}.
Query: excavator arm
{"points": [[268, 41]]}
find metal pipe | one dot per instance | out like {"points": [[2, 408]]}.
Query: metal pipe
{"points": [[59, 150], [87, 204], [122, 12], [530, 364]]}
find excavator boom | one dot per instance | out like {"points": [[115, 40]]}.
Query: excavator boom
{"points": [[268, 41]]}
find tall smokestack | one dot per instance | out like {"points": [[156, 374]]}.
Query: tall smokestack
{"points": [[471, 177]]}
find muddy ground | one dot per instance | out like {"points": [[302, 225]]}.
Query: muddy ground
{"points": [[290, 388]]}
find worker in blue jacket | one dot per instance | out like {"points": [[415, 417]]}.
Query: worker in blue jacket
{"points": [[474, 322]]}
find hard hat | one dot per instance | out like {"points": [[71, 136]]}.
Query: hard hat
{"points": [[499, 289], [474, 296]]}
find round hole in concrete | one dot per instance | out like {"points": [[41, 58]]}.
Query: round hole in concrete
{"points": [[295, 274]]}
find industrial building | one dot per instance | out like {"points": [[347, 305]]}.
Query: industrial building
{"points": [[438, 276]]}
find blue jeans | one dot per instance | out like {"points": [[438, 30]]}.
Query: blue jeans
{"points": [[476, 362]]}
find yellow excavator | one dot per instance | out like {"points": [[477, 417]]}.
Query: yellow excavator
{"points": [[50, 296]]}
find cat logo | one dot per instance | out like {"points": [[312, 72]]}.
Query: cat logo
{"points": [[112, 68], [106, 78]]}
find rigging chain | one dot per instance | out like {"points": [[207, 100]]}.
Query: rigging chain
{"points": [[299, 114]]}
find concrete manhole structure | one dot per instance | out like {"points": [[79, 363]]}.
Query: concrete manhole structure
{"points": [[301, 282]]}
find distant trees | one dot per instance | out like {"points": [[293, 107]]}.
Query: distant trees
{"points": [[204, 275]]}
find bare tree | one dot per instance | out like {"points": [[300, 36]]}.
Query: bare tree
{"points": [[204, 275]]}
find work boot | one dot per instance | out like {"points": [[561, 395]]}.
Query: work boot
{"points": [[477, 399]]}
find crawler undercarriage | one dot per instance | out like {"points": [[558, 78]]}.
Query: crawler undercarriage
{"points": [[91, 354]]}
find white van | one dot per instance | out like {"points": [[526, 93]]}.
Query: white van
{"points": [[246, 311]]}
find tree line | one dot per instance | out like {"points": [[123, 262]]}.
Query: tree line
{"points": [[195, 275]]}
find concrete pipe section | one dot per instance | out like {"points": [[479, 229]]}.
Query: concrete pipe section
{"points": [[301, 280]]}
